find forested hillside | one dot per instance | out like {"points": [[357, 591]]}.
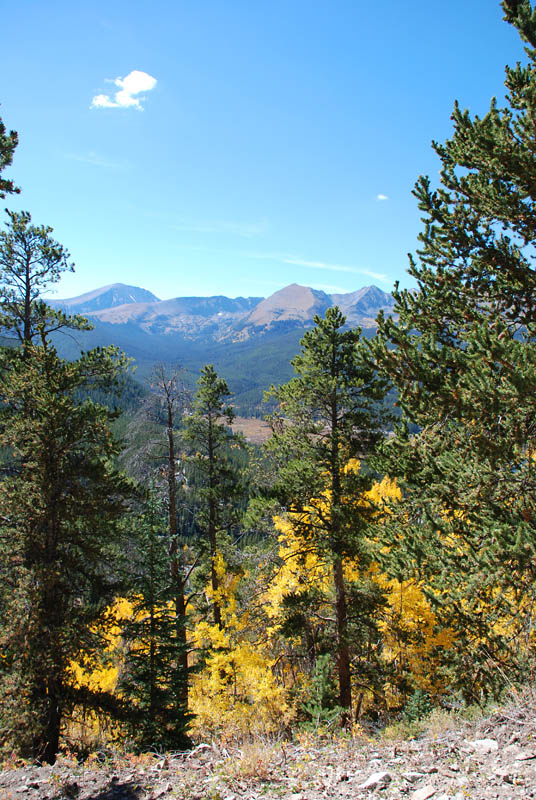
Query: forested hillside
{"points": [[178, 585]]}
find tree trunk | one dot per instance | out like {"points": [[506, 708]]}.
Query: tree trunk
{"points": [[341, 610], [53, 723], [52, 622], [180, 617], [27, 331], [175, 571], [212, 531], [343, 651]]}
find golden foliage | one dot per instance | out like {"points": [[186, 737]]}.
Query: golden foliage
{"points": [[236, 693]]}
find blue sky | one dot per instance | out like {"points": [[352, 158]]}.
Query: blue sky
{"points": [[272, 141]]}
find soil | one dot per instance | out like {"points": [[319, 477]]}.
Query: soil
{"points": [[494, 757]]}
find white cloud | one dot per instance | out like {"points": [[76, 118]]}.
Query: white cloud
{"points": [[382, 197], [285, 258], [96, 160], [247, 230], [318, 265], [130, 86], [378, 276]]}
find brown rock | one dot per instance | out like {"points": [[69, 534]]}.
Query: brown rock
{"points": [[423, 793], [378, 780]]}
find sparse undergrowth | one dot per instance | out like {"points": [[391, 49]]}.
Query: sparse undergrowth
{"points": [[455, 754]]}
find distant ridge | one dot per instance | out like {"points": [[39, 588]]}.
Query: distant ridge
{"points": [[189, 316]]}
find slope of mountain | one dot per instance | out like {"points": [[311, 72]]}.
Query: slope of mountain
{"points": [[116, 294], [191, 316]]}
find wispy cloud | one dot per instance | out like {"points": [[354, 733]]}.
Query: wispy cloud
{"points": [[285, 258], [382, 197], [96, 160], [378, 276], [248, 230], [300, 262], [128, 89]]}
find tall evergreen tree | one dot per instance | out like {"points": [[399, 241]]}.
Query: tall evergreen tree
{"points": [[155, 671], [462, 355], [61, 504], [172, 398], [208, 434], [329, 414], [61, 499]]}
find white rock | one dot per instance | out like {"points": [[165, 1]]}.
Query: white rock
{"points": [[484, 746], [376, 781], [413, 777], [424, 793], [526, 755]]}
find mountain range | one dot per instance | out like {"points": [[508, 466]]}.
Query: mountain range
{"points": [[250, 340], [222, 318]]}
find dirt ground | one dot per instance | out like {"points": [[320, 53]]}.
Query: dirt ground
{"points": [[491, 758]]}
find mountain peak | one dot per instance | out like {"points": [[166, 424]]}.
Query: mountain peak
{"points": [[111, 296], [293, 303], [364, 303]]}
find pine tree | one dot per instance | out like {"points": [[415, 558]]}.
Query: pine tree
{"points": [[329, 414], [61, 506], [155, 671], [208, 434], [61, 499], [462, 355]]}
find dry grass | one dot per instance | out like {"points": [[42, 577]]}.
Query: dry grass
{"points": [[254, 430], [330, 766], [255, 760]]}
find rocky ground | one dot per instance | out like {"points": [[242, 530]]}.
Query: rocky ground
{"points": [[454, 759]]}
